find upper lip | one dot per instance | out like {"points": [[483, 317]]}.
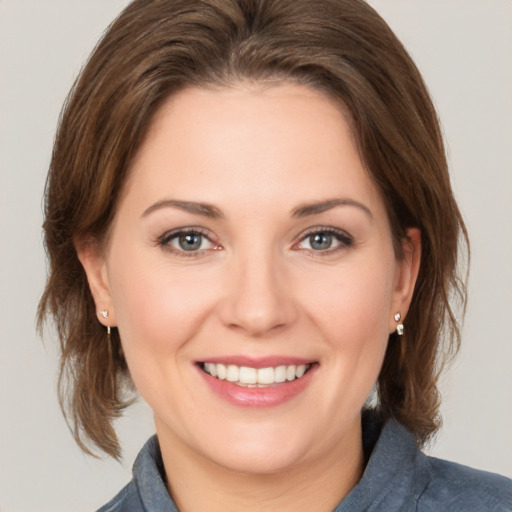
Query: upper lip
{"points": [[257, 362]]}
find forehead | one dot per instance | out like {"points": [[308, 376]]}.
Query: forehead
{"points": [[250, 144]]}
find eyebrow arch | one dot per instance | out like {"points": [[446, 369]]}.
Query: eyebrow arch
{"points": [[203, 209], [317, 207]]}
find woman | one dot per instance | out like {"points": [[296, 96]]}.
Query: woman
{"points": [[249, 218]]}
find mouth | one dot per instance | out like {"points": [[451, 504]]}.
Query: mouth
{"points": [[249, 377]]}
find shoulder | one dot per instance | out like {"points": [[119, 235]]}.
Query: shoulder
{"points": [[127, 500], [459, 488]]}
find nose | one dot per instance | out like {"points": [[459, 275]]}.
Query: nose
{"points": [[259, 299]]}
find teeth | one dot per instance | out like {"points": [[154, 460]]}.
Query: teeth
{"points": [[266, 376], [232, 373], [221, 371], [280, 373], [252, 377], [248, 375], [301, 370]]}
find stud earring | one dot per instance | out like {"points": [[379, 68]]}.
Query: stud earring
{"points": [[399, 327], [104, 314]]}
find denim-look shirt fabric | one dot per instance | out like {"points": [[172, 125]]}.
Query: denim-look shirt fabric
{"points": [[398, 477]]}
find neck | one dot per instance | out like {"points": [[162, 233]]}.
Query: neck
{"points": [[197, 483]]}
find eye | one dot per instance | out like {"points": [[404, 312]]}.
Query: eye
{"points": [[324, 240], [190, 241], [187, 241], [320, 241]]}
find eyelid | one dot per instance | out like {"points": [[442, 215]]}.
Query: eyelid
{"points": [[164, 239], [345, 239]]}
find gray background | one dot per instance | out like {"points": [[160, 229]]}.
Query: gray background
{"points": [[463, 48]]}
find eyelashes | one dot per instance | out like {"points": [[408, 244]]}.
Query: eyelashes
{"points": [[187, 242], [323, 240], [194, 241]]}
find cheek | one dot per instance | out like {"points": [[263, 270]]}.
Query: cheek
{"points": [[353, 305], [158, 309], [352, 313]]}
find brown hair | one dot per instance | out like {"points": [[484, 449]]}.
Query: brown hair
{"points": [[340, 47]]}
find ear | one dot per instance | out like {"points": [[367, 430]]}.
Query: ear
{"points": [[93, 261], [407, 273]]}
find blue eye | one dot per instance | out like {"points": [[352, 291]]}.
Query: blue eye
{"points": [[320, 241], [186, 241], [190, 242], [325, 240]]}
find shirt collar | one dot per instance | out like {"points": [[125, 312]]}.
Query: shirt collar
{"points": [[394, 465]]}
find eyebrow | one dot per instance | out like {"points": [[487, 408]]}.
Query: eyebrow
{"points": [[203, 209], [210, 211], [304, 210]]}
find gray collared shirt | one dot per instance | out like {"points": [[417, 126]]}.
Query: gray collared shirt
{"points": [[398, 477]]}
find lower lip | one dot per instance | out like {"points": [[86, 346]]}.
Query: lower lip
{"points": [[270, 396]]}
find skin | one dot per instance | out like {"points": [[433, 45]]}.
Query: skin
{"points": [[257, 287]]}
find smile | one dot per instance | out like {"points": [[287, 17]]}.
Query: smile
{"points": [[246, 376]]}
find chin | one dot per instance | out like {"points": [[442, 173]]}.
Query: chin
{"points": [[263, 458]]}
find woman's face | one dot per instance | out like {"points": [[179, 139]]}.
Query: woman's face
{"points": [[252, 277]]}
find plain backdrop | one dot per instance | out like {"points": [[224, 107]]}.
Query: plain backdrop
{"points": [[463, 48]]}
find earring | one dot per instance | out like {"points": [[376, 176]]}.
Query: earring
{"points": [[399, 327], [104, 314]]}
